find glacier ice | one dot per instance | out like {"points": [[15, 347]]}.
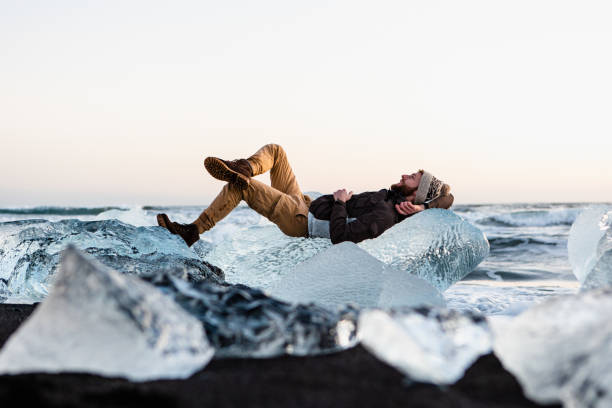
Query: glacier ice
{"points": [[241, 321], [30, 252], [436, 245], [98, 321], [427, 344], [590, 247], [259, 255], [345, 273], [561, 349]]}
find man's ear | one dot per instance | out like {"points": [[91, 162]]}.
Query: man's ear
{"points": [[411, 197]]}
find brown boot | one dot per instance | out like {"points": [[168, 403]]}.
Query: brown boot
{"points": [[189, 232], [238, 172]]}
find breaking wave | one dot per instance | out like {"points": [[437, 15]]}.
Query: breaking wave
{"points": [[69, 211], [532, 218]]}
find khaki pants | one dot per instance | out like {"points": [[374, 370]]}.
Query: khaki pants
{"points": [[282, 203]]}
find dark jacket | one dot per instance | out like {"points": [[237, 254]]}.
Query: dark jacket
{"points": [[374, 212]]}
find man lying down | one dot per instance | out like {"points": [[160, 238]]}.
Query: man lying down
{"points": [[340, 216]]}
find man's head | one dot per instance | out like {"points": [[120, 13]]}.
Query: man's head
{"points": [[408, 185], [420, 187]]}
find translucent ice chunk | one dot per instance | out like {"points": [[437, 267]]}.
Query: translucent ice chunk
{"points": [[244, 322], [590, 247], [561, 349], [428, 345], [345, 273], [436, 245], [98, 321], [259, 255], [29, 252]]}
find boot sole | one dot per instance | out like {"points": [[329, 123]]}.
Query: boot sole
{"points": [[220, 171]]}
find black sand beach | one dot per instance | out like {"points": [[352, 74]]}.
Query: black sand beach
{"points": [[352, 378]]}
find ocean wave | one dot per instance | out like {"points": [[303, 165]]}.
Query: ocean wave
{"points": [[532, 218], [135, 216], [69, 211], [509, 242]]}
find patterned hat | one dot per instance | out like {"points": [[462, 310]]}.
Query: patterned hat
{"points": [[429, 188]]}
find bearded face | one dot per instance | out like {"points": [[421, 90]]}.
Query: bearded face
{"points": [[403, 189], [408, 184]]}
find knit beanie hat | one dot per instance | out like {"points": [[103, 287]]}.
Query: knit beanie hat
{"points": [[429, 188]]}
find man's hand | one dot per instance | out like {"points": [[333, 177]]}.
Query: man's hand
{"points": [[407, 208], [342, 195]]}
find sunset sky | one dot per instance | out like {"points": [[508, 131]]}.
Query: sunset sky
{"points": [[119, 102]]}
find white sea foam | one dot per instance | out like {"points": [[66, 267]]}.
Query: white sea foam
{"points": [[504, 298], [533, 218], [135, 216]]}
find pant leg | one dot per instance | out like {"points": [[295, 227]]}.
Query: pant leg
{"points": [[229, 197], [273, 157], [280, 208]]}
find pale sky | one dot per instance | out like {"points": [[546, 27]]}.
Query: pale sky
{"points": [[119, 102]]}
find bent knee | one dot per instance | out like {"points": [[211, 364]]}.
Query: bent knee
{"points": [[276, 148]]}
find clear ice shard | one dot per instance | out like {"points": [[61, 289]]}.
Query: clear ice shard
{"points": [[241, 321], [427, 344], [30, 252], [590, 247], [435, 245], [99, 321], [561, 349], [345, 273]]}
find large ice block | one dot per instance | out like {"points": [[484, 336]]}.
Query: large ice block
{"points": [[561, 350], [427, 344], [244, 322], [590, 247], [30, 252], [98, 321], [345, 273], [436, 245], [260, 255]]}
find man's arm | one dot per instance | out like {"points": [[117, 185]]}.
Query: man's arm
{"points": [[321, 207], [369, 225], [407, 208], [364, 227]]}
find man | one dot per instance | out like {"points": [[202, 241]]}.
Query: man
{"points": [[283, 203]]}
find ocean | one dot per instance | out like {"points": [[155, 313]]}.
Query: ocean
{"points": [[528, 260]]}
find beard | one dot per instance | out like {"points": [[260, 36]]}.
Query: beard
{"points": [[403, 189]]}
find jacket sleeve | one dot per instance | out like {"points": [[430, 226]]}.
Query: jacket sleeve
{"points": [[366, 226], [321, 208], [444, 201]]}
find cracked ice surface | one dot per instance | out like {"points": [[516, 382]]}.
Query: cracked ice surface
{"points": [[590, 247], [436, 245], [561, 349], [241, 321], [345, 274], [98, 321], [427, 344], [30, 252]]}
